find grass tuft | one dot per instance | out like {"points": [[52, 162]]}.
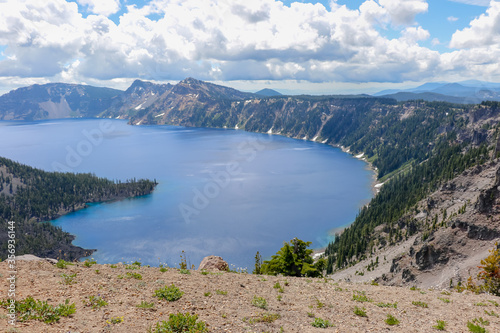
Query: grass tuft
{"points": [[259, 302], [391, 320], [420, 304], [321, 323], [361, 312]]}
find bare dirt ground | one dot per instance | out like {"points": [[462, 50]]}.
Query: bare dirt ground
{"points": [[300, 301]]}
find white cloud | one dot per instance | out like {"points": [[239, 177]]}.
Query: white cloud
{"points": [[452, 19], [482, 32], [412, 34], [435, 41], [403, 12], [101, 7], [234, 40]]}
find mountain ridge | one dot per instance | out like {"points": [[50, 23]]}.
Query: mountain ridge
{"points": [[464, 92], [415, 147]]}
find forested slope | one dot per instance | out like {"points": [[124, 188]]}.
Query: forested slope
{"points": [[30, 196]]}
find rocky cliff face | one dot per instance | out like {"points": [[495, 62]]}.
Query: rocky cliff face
{"points": [[56, 100], [457, 226], [139, 96]]}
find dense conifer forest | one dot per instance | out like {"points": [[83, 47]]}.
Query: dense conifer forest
{"points": [[30, 197]]}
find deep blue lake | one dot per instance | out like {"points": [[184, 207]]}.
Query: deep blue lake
{"points": [[221, 192]]}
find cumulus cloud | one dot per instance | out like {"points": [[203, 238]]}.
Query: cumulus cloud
{"points": [[38, 37], [229, 40], [414, 34], [478, 47], [102, 7], [403, 12], [482, 32]]}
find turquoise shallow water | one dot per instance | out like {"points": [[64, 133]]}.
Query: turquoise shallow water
{"points": [[222, 192]]}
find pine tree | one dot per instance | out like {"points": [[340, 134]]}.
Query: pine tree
{"points": [[258, 264]]}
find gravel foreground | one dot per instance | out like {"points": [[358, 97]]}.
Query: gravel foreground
{"points": [[224, 301]]}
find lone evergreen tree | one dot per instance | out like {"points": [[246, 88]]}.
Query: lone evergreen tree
{"points": [[258, 264], [294, 259]]}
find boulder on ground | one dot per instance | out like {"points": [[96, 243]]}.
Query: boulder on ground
{"points": [[213, 263]]}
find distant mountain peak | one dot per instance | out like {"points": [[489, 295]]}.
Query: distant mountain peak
{"points": [[268, 92], [138, 84], [191, 80]]}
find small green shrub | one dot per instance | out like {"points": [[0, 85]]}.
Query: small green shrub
{"points": [[321, 323], [481, 321], [279, 287], [420, 304], [163, 269], [361, 312], [265, 317], [310, 315], [475, 328], [208, 294], [391, 320], [446, 300], [95, 302], [259, 302], [69, 279], [31, 309], [184, 271], [220, 292], [178, 323], [63, 264], [146, 305], [387, 305], [170, 293], [89, 263], [494, 303], [136, 276], [360, 297], [113, 266], [319, 304], [490, 274], [441, 325], [447, 293], [491, 313], [481, 304], [204, 272]]}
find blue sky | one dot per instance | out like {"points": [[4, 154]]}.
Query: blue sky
{"points": [[341, 46]]}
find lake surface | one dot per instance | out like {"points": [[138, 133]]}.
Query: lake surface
{"points": [[221, 192]]}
